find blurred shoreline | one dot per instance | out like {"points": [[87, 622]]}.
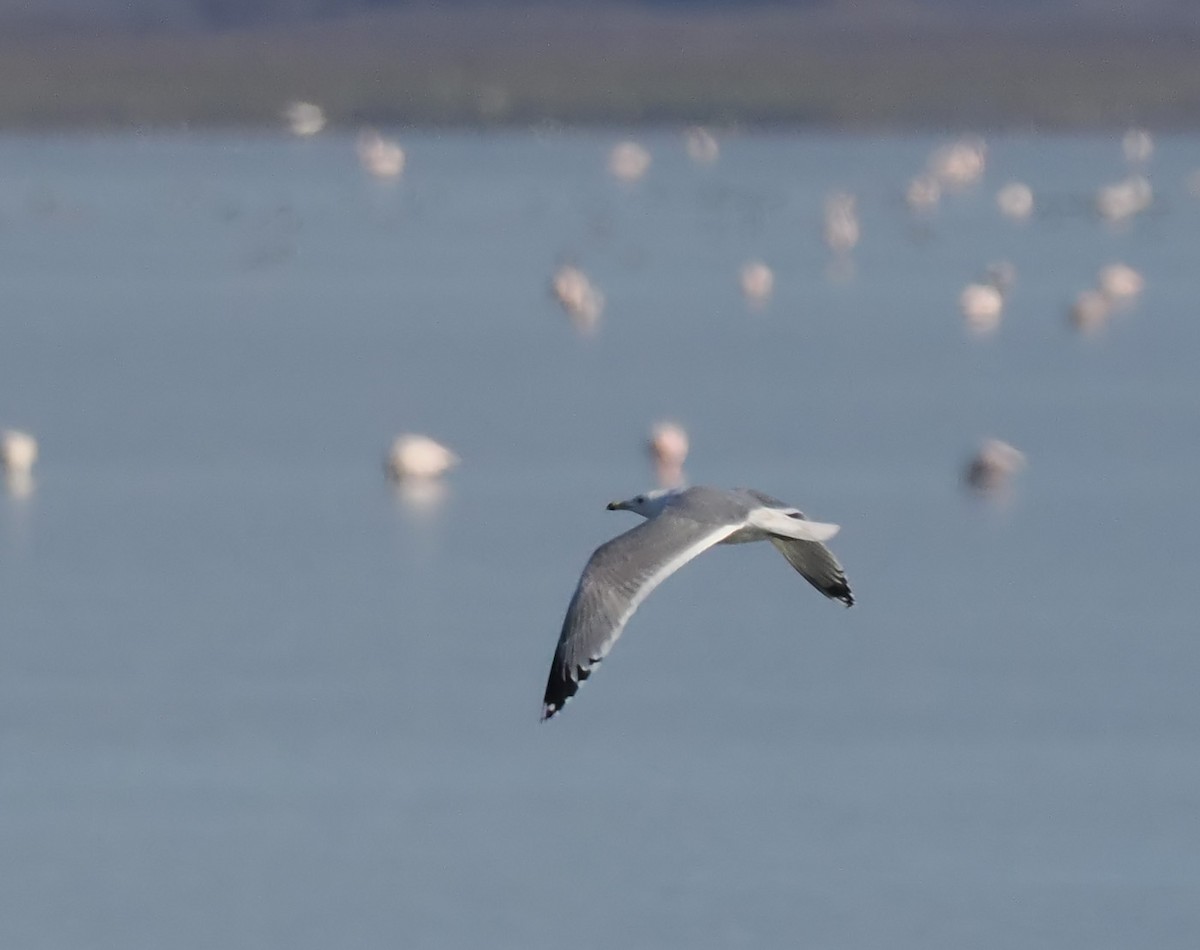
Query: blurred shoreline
{"points": [[479, 67]]}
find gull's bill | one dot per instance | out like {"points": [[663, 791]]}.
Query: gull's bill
{"points": [[680, 525]]}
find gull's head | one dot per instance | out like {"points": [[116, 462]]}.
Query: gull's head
{"points": [[648, 504]]}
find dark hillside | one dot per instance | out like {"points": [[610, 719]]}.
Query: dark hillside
{"points": [[843, 63]]}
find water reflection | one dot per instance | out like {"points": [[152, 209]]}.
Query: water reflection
{"points": [[422, 496]]}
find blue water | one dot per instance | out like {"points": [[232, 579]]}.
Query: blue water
{"points": [[252, 697]]}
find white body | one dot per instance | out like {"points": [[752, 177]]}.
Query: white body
{"points": [[994, 465], [841, 222], [628, 161], [960, 163], [1015, 201], [1123, 199], [18, 452], [758, 282], [578, 296], [702, 146], [381, 157], [982, 305], [305, 119], [1120, 282], [418, 456]]}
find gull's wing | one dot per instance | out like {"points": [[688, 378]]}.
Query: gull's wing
{"points": [[791, 525], [811, 558], [619, 576], [818, 566]]}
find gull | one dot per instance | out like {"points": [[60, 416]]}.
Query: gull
{"points": [[1120, 283], [992, 468], [18, 452], [304, 118], [758, 281], [1138, 146], [680, 524], [628, 161], [668, 447], [1121, 200], [381, 157], [419, 457], [578, 296], [960, 163], [1015, 201], [841, 222], [702, 146], [982, 302], [981, 305], [923, 194]]}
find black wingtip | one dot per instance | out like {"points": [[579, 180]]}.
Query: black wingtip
{"points": [[552, 707], [841, 591], [559, 688]]}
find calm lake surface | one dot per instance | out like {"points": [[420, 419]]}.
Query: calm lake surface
{"points": [[252, 697]]}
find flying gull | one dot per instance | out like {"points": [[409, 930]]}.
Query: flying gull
{"points": [[680, 524]]}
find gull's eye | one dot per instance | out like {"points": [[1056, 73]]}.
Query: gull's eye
{"points": [[640, 500]]}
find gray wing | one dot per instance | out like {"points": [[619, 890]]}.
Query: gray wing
{"points": [[812, 559], [619, 576], [818, 566]]}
